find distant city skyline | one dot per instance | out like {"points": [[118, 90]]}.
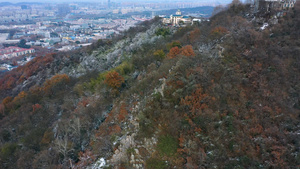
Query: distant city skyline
{"points": [[105, 1]]}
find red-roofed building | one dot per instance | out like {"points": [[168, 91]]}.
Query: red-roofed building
{"points": [[13, 51]]}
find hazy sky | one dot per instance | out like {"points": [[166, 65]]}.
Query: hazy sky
{"points": [[61, 1]]}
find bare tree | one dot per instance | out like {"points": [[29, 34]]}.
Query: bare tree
{"points": [[63, 146], [75, 127], [235, 2], [218, 9]]}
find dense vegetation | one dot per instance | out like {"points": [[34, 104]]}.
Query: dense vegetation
{"points": [[221, 94]]}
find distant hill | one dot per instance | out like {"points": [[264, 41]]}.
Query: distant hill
{"points": [[206, 10], [18, 4], [6, 4]]}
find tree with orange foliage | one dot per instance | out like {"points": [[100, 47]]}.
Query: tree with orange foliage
{"points": [[2, 110], [47, 138], [173, 52], [187, 51], [22, 73], [195, 34], [55, 81], [196, 101], [217, 32], [114, 129], [114, 80], [20, 96], [7, 100], [36, 107], [123, 112], [7, 103]]}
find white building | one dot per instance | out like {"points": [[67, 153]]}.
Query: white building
{"points": [[177, 19], [13, 51], [287, 4]]}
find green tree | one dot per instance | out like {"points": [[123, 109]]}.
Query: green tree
{"points": [[163, 32], [159, 54], [22, 44]]}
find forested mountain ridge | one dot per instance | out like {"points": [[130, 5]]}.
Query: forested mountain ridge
{"points": [[221, 94]]}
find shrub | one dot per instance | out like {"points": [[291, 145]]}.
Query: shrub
{"points": [[163, 32], [167, 145], [107, 77], [159, 54], [194, 35], [124, 68], [196, 101], [217, 32], [114, 80], [54, 84], [5, 135], [7, 100], [174, 44], [146, 128], [8, 150], [153, 163]]}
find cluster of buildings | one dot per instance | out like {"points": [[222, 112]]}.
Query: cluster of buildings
{"points": [[11, 52], [20, 14], [181, 20], [50, 27], [268, 6], [51, 34]]}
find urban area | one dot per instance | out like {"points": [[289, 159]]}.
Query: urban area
{"points": [[34, 29]]}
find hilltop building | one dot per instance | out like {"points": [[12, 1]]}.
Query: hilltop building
{"points": [[177, 19]]}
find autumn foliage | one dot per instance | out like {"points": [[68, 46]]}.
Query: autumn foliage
{"points": [[197, 101], [114, 80], [185, 51], [20, 74], [2, 109], [194, 35], [218, 31], [20, 96], [7, 100], [236, 111], [123, 112], [173, 52], [36, 107], [55, 81]]}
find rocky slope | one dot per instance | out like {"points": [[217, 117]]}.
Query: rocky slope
{"points": [[221, 94]]}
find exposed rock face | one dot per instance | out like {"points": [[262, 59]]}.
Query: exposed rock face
{"points": [[120, 154], [100, 60], [104, 59], [214, 50], [162, 87], [130, 150]]}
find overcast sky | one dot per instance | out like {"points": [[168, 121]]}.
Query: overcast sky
{"points": [[61, 1]]}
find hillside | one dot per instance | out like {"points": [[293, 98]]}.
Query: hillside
{"points": [[220, 94]]}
